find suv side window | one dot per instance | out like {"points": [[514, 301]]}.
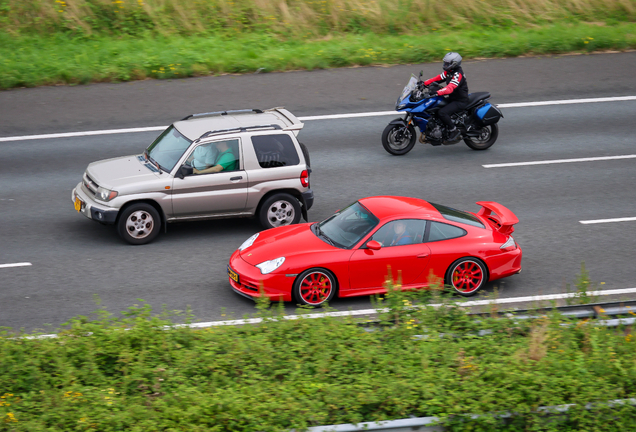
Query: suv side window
{"points": [[224, 153], [275, 151], [442, 231]]}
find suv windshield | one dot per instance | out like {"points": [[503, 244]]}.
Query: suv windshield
{"points": [[347, 227], [168, 148]]}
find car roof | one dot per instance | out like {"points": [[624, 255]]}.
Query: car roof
{"points": [[192, 127], [391, 206]]}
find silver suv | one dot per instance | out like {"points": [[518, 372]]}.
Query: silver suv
{"points": [[211, 165]]}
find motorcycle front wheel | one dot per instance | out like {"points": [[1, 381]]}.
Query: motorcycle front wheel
{"points": [[398, 139], [487, 138]]}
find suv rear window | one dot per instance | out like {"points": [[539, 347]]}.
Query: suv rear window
{"points": [[275, 151], [458, 216]]}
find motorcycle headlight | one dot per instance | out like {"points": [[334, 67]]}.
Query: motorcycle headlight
{"points": [[249, 242], [104, 194], [399, 107], [271, 265]]}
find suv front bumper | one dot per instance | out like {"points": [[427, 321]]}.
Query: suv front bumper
{"points": [[87, 206]]}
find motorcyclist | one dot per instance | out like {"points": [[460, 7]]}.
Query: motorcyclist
{"points": [[456, 89]]}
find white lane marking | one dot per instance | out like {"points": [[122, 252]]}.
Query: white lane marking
{"points": [[567, 102], [86, 133], [22, 264], [309, 118], [375, 311], [597, 221], [559, 161]]}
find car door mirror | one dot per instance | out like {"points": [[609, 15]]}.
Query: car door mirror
{"points": [[184, 171], [374, 245]]}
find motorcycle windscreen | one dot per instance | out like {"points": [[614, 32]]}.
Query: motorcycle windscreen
{"points": [[410, 86]]}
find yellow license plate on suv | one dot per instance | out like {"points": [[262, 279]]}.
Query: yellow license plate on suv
{"points": [[78, 204], [232, 274]]}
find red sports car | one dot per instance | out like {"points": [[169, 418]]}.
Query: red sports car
{"points": [[349, 253]]}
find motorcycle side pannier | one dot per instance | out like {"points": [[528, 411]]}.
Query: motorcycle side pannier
{"points": [[486, 115]]}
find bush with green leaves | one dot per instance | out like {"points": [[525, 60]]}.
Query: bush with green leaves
{"points": [[141, 372]]}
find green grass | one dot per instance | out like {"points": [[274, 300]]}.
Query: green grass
{"points": [[28, 61], [132, 374]]}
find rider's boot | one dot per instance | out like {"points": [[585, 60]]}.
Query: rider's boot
{"points": [[453, 134]]}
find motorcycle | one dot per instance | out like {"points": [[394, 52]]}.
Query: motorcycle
{"points": [[477, 122]]}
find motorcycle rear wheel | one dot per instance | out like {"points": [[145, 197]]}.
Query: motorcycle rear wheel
{"points": [[485, 140], [397, 139]]}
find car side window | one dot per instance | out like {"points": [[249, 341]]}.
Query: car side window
{"points": [[275, 151], [442, 231], [223, 153], [400, 232]]}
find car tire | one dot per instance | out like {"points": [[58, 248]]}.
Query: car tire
{"points": [[467, 276], [303, 147], [398, 139], [488, 138], [279, 210], [139, 224], [315, 287]]}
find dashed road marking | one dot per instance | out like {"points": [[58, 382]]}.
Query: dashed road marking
{"points": [[22, 264], [600, 221], [559, 161]]}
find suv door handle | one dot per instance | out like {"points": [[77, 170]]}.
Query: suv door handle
{"points": [[424, 255], [237, 178]]}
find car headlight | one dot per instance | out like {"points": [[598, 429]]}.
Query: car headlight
{"points": [[104, 194], [249, 242], [271, 265]]}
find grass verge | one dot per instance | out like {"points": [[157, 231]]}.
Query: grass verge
{"points": [[132, 374], [29, 61]]}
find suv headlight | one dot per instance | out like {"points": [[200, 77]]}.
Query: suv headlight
{"points": [[249, 242], [271, 265], [103, 194]]}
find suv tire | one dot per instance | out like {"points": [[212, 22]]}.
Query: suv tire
{"points": [[278, 210], [139, 224]]}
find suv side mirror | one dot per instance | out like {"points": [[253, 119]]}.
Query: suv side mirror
{"points": [[374, 245], [184, 171]]}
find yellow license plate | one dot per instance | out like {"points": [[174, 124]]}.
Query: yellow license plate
{"points": [[232, 274], [78, 204]]}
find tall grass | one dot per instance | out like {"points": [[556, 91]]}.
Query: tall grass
{"points": [[304, 18]]}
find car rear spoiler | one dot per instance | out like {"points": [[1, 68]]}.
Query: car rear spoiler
{"points": [[506, 218]]}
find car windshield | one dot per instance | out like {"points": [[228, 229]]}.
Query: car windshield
{"points": [[168, 148], [410, 86], [348, 226]]}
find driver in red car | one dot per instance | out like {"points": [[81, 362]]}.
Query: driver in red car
{"points": [[400, 235], [456, 89]]}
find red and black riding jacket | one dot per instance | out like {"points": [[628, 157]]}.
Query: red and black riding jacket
{"points": [[456, 85]]}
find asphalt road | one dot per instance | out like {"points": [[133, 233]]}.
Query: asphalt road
{"points": [[75, 259]]}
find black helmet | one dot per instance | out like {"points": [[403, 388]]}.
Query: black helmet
{"points": [[452, 60]]}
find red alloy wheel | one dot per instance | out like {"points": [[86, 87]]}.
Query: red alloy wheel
{"points": [[315, 288], [467, 277]]}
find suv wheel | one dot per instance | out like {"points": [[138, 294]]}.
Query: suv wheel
{"points": [[139, 224], [278, 210]]}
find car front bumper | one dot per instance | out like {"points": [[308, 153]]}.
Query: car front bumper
{"points": [[276, 286], [92, 209]]}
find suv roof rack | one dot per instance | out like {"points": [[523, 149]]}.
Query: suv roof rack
{"points": [[241, 111], [239, 129]]}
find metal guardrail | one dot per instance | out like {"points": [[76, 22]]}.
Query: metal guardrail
{"points": [[428, 424]]}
